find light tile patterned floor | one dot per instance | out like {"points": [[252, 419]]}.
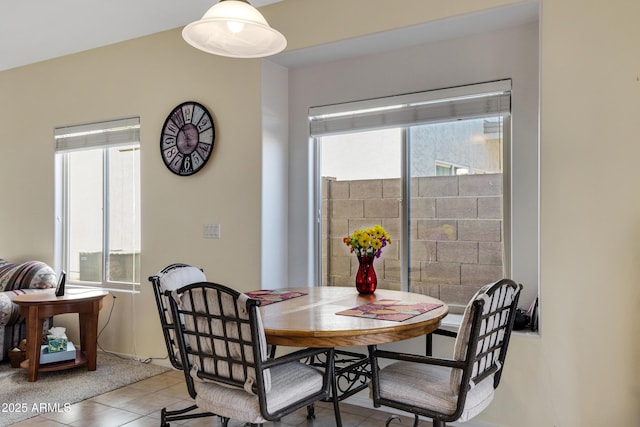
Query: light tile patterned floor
{"points": [[139, 405]]}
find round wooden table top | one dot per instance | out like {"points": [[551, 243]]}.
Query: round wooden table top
{"points": [[311, 320]]}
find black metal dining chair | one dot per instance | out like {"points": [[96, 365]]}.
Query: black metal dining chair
{"points": [[168, 279], [223, 347], [459, 388]]}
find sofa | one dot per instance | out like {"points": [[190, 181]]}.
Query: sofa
{"points": [[19, 279]]}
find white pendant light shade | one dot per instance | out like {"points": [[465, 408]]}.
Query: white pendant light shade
{"points": [[234, 28]]}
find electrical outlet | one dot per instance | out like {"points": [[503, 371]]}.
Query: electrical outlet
{"points": [[211, 231]]}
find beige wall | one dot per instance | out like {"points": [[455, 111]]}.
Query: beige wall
{"points": [[583, 369], [590, 80], [145, 77]]}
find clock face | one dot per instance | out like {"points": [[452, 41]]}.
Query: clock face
{"points": [[187, 138]]}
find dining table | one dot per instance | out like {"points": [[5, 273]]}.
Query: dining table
{"points": [[312, 319], [340, 317]]}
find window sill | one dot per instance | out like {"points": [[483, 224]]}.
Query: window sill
{"points": [[452, 322], [133, 289]]}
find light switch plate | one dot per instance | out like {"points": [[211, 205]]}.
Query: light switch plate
{"points": [[211, 231]]}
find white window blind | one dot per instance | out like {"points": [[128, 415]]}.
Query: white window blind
{"points": [[462, 102], [95, 135]]}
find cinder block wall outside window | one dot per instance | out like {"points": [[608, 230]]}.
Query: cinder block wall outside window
{"points": [[455, 230]]}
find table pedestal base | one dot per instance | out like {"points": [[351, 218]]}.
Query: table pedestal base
{"points": [[352, 372]]}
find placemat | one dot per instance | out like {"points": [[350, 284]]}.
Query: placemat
{"points": [[388, 309], [269, 296]]}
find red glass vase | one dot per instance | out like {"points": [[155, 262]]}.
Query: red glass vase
{"points": [[366, 279]]}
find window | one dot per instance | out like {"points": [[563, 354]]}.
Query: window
{"points": [[98, 203], [430, 168]]}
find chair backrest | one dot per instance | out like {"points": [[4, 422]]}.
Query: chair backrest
{"points": [[222, 336], [484, 335], [170, 278]]}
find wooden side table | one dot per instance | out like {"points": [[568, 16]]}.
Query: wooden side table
{"points": [[36, 307]]}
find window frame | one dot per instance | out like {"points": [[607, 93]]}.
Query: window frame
{"points": [[93, 136], [339, 112]]}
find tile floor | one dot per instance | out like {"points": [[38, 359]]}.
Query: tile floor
{"points": [[139, 405]]}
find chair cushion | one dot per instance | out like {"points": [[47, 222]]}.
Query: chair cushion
{"points": [[427, 386], [460, 346], [179, 277], [502, 297], [170, 281], [228, 329], [289, 383]]}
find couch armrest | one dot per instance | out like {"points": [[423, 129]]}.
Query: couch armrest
{"points": [[28, 275]]}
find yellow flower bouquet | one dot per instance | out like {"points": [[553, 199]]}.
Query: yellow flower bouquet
{"points": [[368, 242]]}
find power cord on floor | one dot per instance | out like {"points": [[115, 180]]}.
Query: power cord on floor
{"points": [[145, 361], [104, 327]]}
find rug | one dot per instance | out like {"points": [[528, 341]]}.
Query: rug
{"points": [[20, 399]]}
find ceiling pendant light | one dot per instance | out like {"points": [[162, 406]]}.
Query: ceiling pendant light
{"points": [[234, 28]]}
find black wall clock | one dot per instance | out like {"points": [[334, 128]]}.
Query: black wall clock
{"points": [[187, 138]]}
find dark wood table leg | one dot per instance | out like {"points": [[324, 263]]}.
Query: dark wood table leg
{"points": [[89, 333], [34, 338]]}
